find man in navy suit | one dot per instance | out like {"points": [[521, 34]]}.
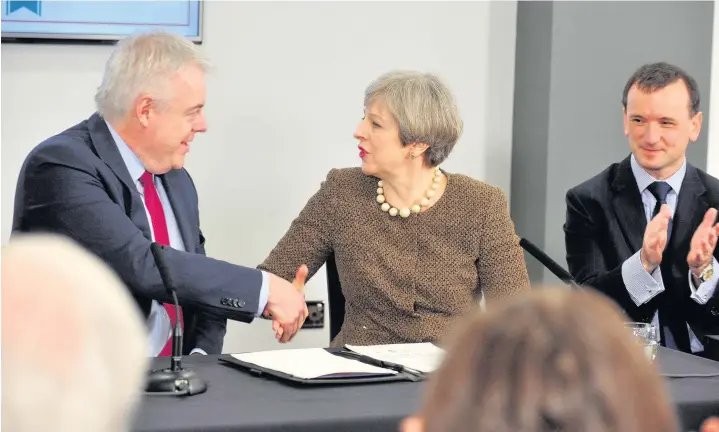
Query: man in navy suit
{"points": [[115, 183], [644, 231]]}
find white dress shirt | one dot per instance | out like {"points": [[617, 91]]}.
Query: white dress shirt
{"points": [[643, 286]]}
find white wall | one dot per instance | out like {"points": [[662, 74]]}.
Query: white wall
{"points": [[713, 138], [283, 101]]}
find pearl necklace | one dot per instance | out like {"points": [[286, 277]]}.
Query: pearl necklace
{"points": [[405, 212]]}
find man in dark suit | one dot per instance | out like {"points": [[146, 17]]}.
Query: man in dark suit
{"points": [[644, 230], [115, 183]]}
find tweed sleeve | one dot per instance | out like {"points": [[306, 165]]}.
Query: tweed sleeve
{"points": [[309, 238], [501, 268]]}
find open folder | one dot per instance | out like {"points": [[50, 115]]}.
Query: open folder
{"points": [[352, 365], [417, 358]]}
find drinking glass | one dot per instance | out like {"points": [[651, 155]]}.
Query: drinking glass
{"points": [[647, 336]]}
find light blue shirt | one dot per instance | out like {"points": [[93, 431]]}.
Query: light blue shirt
{"points": [[643, 286], [158, 322]]}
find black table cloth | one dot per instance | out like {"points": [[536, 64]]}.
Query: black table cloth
{"points": [[238, 401]]}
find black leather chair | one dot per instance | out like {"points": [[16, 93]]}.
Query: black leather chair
{"points": [[335, 298]]}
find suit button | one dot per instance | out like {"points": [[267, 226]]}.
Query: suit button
{"points": [[241, 303], [715, 311], [223, 301]]}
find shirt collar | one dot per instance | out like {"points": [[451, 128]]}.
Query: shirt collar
{"points": [[644, 179], [132, 162]]}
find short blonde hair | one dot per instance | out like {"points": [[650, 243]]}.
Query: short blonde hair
{"points": [[143, 63], [74, 348], [424, 109]]}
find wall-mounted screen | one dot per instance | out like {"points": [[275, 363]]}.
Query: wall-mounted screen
{"points": [[99, 20]]}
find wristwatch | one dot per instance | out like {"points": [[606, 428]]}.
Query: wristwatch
{"points": [[707, 273]]}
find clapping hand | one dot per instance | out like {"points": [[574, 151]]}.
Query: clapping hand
{"points": [[704, 241], [655, 239]]}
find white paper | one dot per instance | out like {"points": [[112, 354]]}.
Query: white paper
{"points": [[309, 363], [424, 357]]}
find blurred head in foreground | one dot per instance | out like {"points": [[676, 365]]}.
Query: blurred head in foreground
{"points": [[74, 350], [552, 360]]}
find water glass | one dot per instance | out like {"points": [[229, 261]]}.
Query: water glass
{"points": [[647, 336]]}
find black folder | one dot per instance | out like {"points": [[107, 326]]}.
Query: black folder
{"points": [[336, 379]]}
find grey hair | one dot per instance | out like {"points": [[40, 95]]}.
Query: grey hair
{"points": [[143, 64], [424, 109]]}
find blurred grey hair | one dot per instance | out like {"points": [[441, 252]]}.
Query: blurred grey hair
{"points": [[424, 109], [143, 64], [74, 348]]}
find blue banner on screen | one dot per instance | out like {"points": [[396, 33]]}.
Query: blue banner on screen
{"points": [[99, 19]]}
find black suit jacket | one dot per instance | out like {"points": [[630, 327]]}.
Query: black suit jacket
{"points": [[76, 184], [605, 226]]}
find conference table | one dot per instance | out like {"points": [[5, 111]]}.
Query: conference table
{"points": [[239, 401]]}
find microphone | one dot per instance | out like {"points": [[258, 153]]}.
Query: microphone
{"points": [[547, 262], [176, 380]]}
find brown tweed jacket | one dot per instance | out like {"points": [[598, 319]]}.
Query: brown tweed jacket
{"points": [[405, 280]]}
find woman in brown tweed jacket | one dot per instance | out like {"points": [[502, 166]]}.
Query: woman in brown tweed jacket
{"points": [[415, 246]]}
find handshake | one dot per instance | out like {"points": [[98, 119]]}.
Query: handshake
{"points": [[286, 304]]}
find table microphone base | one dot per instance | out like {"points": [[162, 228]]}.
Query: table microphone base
{"points": [[167, 382]]}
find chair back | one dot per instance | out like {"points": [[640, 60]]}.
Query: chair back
{"points": [[335, 298]]}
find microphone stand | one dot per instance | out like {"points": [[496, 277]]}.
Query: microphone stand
{"points": [[548, 263], [175, 380]]}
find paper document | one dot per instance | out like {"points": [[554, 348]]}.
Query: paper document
{"points": [[310, 363], [423, 357]]}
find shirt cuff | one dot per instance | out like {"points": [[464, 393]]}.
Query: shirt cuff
{"points": [[705, 290], [264, 293], [641, 285], [198, 350]]}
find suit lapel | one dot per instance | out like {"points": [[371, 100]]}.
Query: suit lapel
{"points": [[171, 183], [691, 207], [107, 150], [627, 204]]}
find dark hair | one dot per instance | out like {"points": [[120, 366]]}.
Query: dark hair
{"points": [[656, 76], [551, 360]]}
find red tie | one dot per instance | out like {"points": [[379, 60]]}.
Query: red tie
{"points": [[159, 227]]}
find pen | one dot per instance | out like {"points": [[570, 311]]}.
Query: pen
{"points": [[384, 364]]}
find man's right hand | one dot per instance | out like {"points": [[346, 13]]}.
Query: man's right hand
{"points": [[655, 239], [286, 305]]}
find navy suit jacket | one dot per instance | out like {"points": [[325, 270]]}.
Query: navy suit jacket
{"points": [[76, 184], [605, 226]]}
